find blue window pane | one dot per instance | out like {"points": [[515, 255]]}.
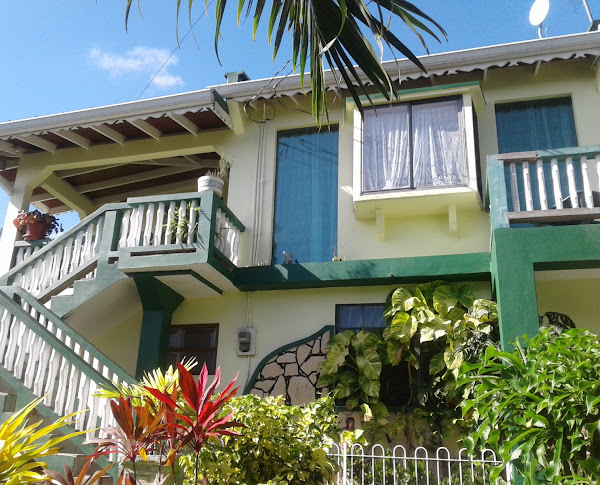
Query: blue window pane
{"points": [[360, 317], [350, 317], [373, 317], [305, 221]]}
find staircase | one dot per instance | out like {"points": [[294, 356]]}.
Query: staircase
{"points": [[42, 356]]}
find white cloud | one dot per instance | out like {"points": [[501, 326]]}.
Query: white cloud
{"points": [[145, 60]]}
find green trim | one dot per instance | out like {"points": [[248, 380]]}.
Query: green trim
{"points": [[367, 272], [189, 196], [280, 350], [159, 302], [496, 192], [188, 272], [230, 215], [378, 97]]}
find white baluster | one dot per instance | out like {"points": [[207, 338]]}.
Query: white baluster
{"points": [[149, 225], [17, 332], [572, 186], [542, 185], [61, 391], [5, 324], [170, 217], [32, 360], [527, 187], [98, 236], [53, 367], [38, 386], [76, 254], [514, 188], [88, 245], [82, 396], [124, 228], [159, 227], [66, 259], [20, 256], [181, 214], [193, 221], [587, 190], [556, 183], [72, 389], [134, 232]]}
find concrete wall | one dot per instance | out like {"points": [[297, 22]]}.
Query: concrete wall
{"points": [[251, 195], [279, 317], [572, 293]]}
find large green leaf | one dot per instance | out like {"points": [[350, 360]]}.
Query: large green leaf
{"points": [[336, 357], [369, 365], [434, 330], [445, 298], [402, 329]]}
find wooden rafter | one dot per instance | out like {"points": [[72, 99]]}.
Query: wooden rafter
{"points": [[110, 133], [147, 128], [38, 142], [10, 149], [184, 122], [73, 137]]}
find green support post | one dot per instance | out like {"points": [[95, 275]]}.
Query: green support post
{"points": [[159, 302]]}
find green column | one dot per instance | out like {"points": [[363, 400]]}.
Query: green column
{"points": [[514, 284], [159, 302]]}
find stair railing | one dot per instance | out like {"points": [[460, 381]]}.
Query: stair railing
{"points": [[54, 362]]}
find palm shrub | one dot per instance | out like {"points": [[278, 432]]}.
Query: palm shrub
{"points": [[23, 446], [539, 406]]}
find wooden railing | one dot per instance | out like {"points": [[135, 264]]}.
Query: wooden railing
{"points": [[546, 186], [54, 362], [161, 222]]}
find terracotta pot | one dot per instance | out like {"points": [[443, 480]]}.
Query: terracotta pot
{"points": [[209, 182], [35, 230]]}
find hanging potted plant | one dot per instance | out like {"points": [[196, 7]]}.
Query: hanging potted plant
{"points": [[34, 225], [214, 180]]}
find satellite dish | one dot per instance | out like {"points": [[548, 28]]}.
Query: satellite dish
{"points": [[538, 11]]}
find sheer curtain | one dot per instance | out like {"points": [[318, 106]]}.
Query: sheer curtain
{"points": [[437, 144], [386, 149]]}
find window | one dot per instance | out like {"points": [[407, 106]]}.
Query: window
{"points": [[199, 341], [306, 189], [414, 145], [535, 125], [395, 380]]}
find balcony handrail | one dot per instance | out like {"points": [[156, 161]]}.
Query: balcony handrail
{"points": [[589, 151]]}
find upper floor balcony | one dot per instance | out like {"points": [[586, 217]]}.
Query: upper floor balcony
{"points": [[557, 186], [189, 240]]}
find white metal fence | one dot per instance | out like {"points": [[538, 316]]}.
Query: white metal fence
{"points": [[376, 465]]}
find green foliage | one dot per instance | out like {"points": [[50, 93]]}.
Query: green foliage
{"points": [[439, 321], [539, 405], [331, 32], [281, 444], [23, 445]]}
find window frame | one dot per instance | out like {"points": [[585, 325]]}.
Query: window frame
{"points": [[375, 205], [411, 145], [196, 370], [338, 309]]}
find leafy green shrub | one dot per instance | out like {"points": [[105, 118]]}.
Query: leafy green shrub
{"points": [[539, 406], [281, 444], [440, 321]]}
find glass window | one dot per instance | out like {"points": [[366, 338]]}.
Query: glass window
{"points": [[413, 145], [306, 189], [358, 317], [199, 341], [535, 125]]}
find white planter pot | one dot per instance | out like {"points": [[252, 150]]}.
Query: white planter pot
{"points": [[209, 182]]}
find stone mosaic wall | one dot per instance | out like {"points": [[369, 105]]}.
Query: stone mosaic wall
{"points": [[293, 372]]}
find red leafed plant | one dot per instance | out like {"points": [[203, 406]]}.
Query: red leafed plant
{"points": [[192, 429], [139, 429]]}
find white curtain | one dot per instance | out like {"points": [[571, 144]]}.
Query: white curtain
{"points": [[437, 144], [386, 149]]}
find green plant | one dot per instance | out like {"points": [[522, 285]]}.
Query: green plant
{"points": [[82, 479], [23, 445], [28, 217], [333, 32], [539, 405], [439, 321], [222, 171], [179, 223], [281, 444]]}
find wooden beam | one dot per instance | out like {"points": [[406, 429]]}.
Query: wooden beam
{"points": [[81, 171], [554, 215], [172, 188], [38, 142], [10, 149], [202, 162], [135, 151], [132, 179], [237, 115], [108, 132], [66, 193], [180, 162], [147, 128], [184, 122], [73, 137]]}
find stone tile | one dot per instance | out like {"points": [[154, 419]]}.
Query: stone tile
{"points": [[287, 358], [310, 365], [265, 385], [301, 391], [279, 389], [324, 342], [271, 370], [302, 353], [291, 370], [257, 392]]}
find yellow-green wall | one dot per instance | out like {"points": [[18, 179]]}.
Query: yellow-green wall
{"points": [[279, 317], [576, 297]]}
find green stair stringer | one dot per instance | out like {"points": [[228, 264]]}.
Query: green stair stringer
{"points": [[83, 290]]}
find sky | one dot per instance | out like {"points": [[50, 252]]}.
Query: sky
{"points": [[65, 55]]}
